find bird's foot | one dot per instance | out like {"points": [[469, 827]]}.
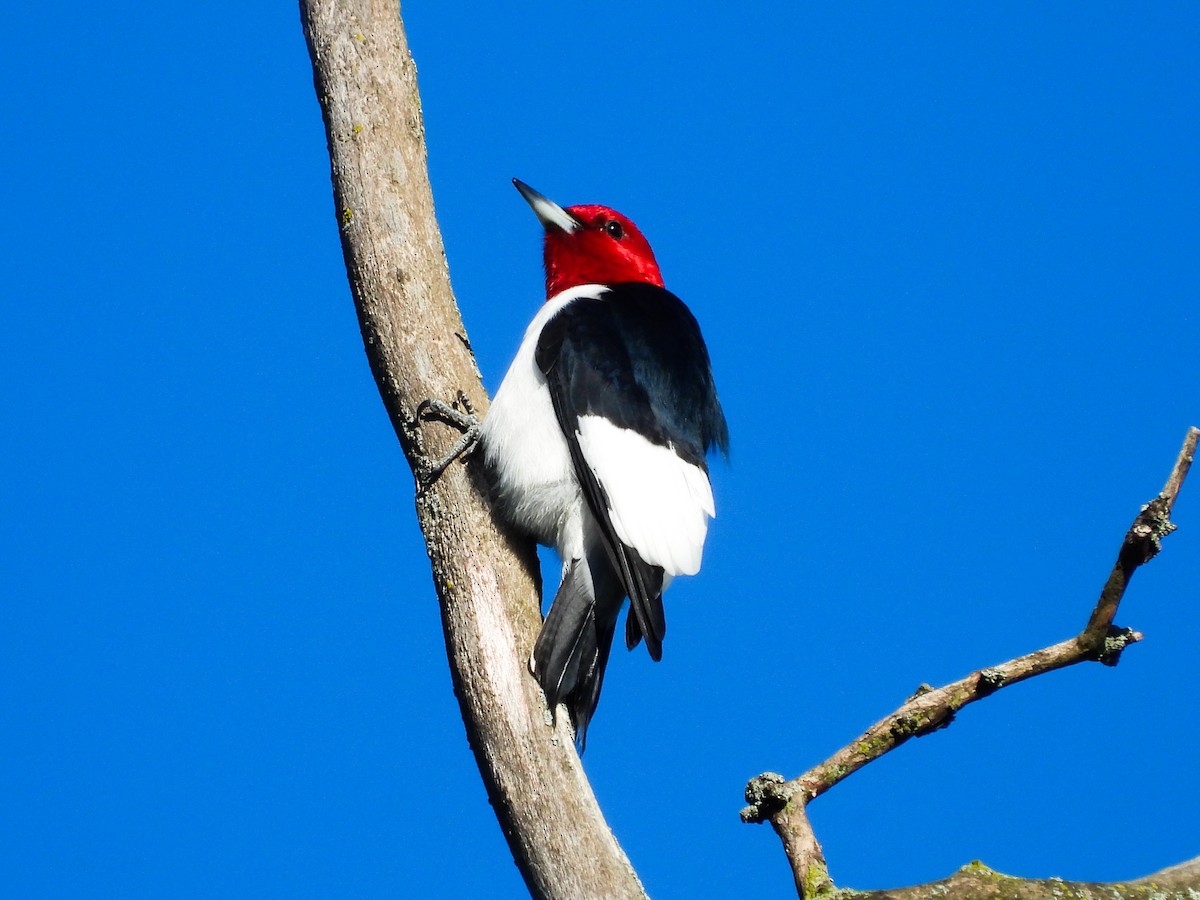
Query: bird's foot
{"points": [[463, 419]]}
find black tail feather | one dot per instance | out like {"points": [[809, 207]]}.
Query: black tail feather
{"points": [[568, 636], [646, 616], [572, 648], [587, 696]]}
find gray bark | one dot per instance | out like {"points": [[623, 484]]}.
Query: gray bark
{"points": [[416, 344]]}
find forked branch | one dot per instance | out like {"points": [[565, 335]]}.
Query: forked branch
{"points": [[782, 802]]}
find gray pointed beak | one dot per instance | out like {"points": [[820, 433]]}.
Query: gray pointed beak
{"points": [[549, 213]]}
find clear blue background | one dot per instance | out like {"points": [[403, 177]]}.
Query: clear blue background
{"points": [[947, 264]]}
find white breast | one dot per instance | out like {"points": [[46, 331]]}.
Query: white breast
{"points": [[525, 447]]}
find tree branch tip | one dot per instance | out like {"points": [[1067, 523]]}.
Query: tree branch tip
{"points": [[1187, 454], [766, 795], [1115, 643]]}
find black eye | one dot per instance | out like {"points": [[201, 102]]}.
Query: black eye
{"points": [[614, 229]]}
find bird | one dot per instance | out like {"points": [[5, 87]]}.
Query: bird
{"points": [[596, 444]]}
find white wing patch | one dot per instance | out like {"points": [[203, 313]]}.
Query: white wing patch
{"points": [[659, 504]]}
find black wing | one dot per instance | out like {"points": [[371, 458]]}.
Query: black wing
{"points": [[636, 357]]}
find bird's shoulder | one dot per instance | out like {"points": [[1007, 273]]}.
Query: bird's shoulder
{"points": [[630, 323], [633, 353]]}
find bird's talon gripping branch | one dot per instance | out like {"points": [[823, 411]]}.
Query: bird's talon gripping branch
{"points": [[465, 420]]}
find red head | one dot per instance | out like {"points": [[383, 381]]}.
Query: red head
{"points": [[590, 245]]}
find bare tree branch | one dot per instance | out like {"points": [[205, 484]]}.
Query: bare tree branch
{"points": [[782, 802], [417, 348], [975, 881], [1141, 544]]}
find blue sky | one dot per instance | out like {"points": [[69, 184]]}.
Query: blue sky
{"points": [[946, 260]]}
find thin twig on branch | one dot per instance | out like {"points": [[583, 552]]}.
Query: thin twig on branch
{"points": [[782, 802]]}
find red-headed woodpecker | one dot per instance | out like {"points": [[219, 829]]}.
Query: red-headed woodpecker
{"points": [[595, 444]]}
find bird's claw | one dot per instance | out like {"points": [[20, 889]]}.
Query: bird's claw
{"points": [[465, 420]]}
